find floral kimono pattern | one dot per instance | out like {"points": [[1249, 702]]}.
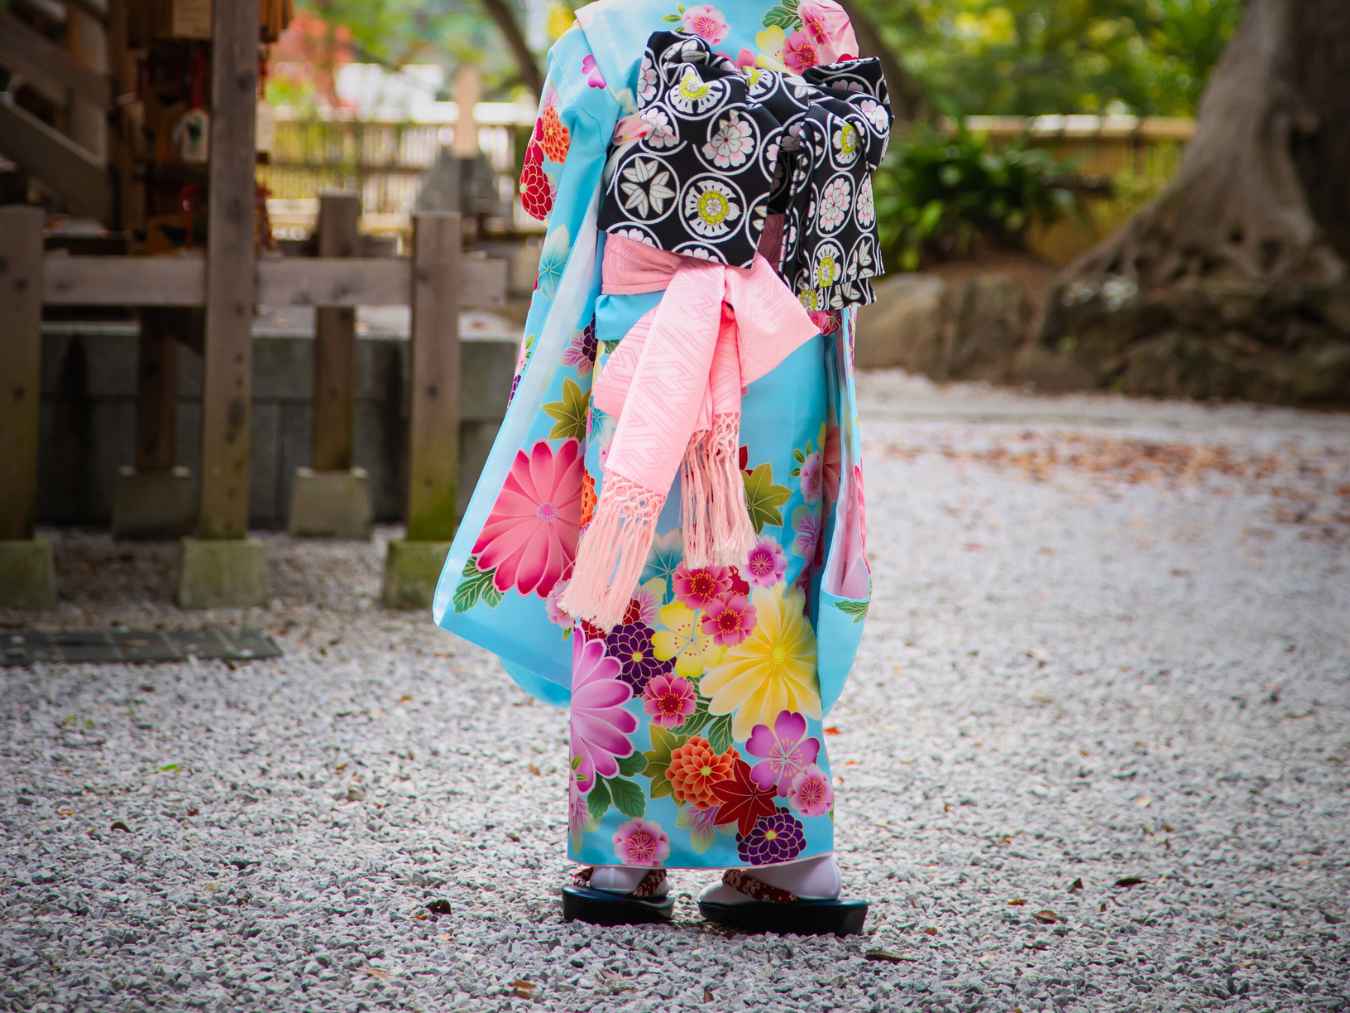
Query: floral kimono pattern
{"points": [[696, 723]]}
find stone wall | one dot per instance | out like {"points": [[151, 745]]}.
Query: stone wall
{"points": [[89, 415]]}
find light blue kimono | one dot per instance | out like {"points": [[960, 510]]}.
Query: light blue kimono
{"points": [[697, 737]]}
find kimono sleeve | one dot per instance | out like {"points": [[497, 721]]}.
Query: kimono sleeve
{"points": [[517, 538]]}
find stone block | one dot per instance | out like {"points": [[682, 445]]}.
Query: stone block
{"points": [[27, 577], [330, 504], [222, 573], [904, 326], [153, 504], [411, 570]]}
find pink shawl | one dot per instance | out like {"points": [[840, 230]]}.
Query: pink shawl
{"points": [[675, 383]]}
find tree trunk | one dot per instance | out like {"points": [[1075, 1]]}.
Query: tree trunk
{"points": [[1234, 281], [908, 98], [503, 15]]}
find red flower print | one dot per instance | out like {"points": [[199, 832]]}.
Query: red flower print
{"points": [[743, 801], [530, 537], [536, 189]]}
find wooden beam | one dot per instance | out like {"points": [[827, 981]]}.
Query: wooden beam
{"points": [[230, 273], [335, 342], [369, 281], [116, 281], [20, 366], [53, 159], [290, 281], [433, 423], [32, 54]]}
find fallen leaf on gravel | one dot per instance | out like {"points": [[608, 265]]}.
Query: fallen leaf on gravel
{"points": [[522, 988], [119, 825], [887, 956], [707, 995], [376, 972], [930, 931], [1075, 886], [1046, 917], [832, 730], [1016, 902], [1128, 881], [439, 907]]}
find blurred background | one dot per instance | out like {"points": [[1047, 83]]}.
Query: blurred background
{"points": [[1135, 196]]}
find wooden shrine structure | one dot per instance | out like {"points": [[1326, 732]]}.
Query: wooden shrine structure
{"points": [[224, 282]]}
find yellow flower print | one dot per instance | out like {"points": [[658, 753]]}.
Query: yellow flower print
{"points": [[684, 640], [770, 44], [772, 670]]}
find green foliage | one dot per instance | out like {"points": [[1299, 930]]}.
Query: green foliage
{"points": [[941, 196], [1027, 57]]}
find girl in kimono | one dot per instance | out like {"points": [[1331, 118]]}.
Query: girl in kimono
{"points": [[668, 537]]}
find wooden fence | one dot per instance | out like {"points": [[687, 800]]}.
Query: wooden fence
{"points": [[383, 162]]}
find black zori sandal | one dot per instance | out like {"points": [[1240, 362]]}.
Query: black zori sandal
{"points": [[644, 905], [770, 909]]}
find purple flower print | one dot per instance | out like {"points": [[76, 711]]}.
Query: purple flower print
{"points": [[631, 644], [783, 751], [774, 839], [580, 354], [600, 724]]}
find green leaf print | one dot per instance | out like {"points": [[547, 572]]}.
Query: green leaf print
{"points": [[764, 498], [628, 798], [632, 764], [570, 413], [783, 16], [694, 722], [856, 609], [598, 800], [658, 759], [719, 734], [475, 587]]}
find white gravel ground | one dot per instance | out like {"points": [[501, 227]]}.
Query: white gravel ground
{"points": [[1118, 665]]}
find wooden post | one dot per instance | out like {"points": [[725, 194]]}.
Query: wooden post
{"points": [[230, 273], [20, 367], [468, 90], [157, 389], [335, 342], [222, 567], [413, 564], [433, 445]]}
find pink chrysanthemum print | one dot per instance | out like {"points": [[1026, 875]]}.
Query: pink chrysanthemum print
{"points": [[600, 723], [530, 537]]}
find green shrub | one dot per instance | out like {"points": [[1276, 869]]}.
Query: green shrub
{"points": [[941, 196]]}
